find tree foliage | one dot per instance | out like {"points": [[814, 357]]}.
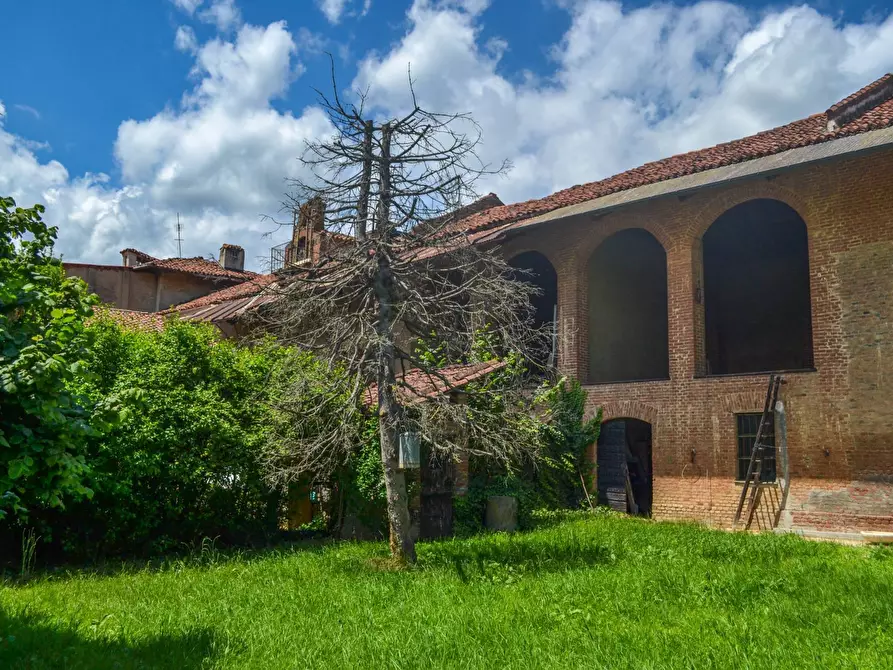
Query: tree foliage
{"points": [[182, 462], [561, 473], [44, 424]]}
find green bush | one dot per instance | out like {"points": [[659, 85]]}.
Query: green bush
{"points": [[554, 481], [182, 463], [44, 425]]}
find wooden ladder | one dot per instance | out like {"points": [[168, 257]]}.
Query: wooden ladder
{"points": [[752, 491]]}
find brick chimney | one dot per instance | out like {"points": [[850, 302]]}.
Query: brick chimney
{"points": [[232, 257]]}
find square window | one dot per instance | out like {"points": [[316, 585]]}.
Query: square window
{"points": [[748, 425]]}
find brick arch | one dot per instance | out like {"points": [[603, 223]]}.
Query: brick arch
{"points": [[627, 409], [744, 402], [509, 253], [602, 229], [756, 190]]}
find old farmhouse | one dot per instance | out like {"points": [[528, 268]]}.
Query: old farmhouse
{"points": [[677, 287]]}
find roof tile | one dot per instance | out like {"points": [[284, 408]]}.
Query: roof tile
{"points": [[197, 266], [417, 385], [246, 289], [811, 130]]}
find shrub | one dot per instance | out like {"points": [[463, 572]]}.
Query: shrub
{"points": [[555, 480], [44, 425], [182, 464]]}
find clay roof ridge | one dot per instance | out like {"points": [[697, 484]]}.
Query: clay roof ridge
{"points": [[812, 129]]}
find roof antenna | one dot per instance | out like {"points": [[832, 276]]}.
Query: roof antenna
{"points": [[179, 237]]}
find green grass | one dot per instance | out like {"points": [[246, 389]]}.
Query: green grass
{"points": [[594, 592]]}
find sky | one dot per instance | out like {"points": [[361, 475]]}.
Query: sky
{"points": [[122, 116]]}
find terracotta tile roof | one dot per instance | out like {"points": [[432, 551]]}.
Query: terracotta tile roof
{"points": [[869, 109], [246, 289], [197, 266], [137, 320], [417, 386]]}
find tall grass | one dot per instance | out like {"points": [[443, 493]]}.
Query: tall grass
{"points": [[590, 592]]}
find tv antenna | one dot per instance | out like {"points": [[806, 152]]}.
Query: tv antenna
{"points": [[179, 237]]}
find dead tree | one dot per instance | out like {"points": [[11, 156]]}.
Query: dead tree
{"points": [[400, 269]]}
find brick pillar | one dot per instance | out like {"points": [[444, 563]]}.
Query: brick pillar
{"points": [[460, 487], [573, 354], [685, 318]]}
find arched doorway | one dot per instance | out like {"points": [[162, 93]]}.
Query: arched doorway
{"points": [[757, 310], [535, 268], [623, 457], [628, 331]]}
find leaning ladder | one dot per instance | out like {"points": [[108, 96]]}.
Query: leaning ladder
{"points": [[752, 491]]}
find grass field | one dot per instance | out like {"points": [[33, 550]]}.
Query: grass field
{"points": [[594, 592]]}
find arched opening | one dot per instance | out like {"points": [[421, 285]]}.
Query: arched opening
{"points": [[536, 269], [758, 316], [628, 332], [623, 456]]}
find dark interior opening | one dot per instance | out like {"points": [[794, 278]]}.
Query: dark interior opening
{"points": [[624, 466], [756, 290], [538, 270], [628, 332]]}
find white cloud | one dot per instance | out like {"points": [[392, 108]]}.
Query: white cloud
{"points": [[185, 39], [223, 14], [335, 10], [28, 109], [188, 6], [219, 160], [625, 87], [332, 9], [629, 85]]}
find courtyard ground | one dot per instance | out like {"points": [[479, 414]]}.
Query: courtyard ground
{"points": [[591, 591]]}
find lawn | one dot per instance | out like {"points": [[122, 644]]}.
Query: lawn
{"points": [[599, 591]]}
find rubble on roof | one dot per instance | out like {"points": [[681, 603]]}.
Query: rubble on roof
{"points": [[138, 320], [416, 386]]}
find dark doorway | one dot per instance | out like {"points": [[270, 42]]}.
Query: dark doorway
{"points": [[758, 316], [624, 466], [438, 474], [628, 332], [537, 270]]}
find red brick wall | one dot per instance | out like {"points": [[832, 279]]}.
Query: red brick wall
{"points": [[839, 417]]}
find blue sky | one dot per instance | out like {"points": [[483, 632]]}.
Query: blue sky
{"points": [[119, 115]]}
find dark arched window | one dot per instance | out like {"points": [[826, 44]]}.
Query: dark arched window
{"points": [[536, 269], [628, 332], [756, 290]]}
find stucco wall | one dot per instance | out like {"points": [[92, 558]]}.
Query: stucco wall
{"points": [[125, 288]]}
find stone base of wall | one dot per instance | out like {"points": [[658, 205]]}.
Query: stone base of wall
{"points": [[813, 504]]}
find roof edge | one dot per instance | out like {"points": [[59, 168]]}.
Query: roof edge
{"points": [[844, 147]]}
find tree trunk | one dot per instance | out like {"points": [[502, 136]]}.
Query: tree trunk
{"points": [[402, 544]]}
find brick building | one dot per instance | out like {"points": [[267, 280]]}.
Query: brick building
{"points": [[143, 283], [678, 287]]}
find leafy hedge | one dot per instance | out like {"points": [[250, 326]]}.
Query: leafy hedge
{"points": [[44, 424], [554, 481], [182, 463]]}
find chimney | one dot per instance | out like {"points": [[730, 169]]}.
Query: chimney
{"points": [[860, 102], [312, 215], [232, 257]]}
